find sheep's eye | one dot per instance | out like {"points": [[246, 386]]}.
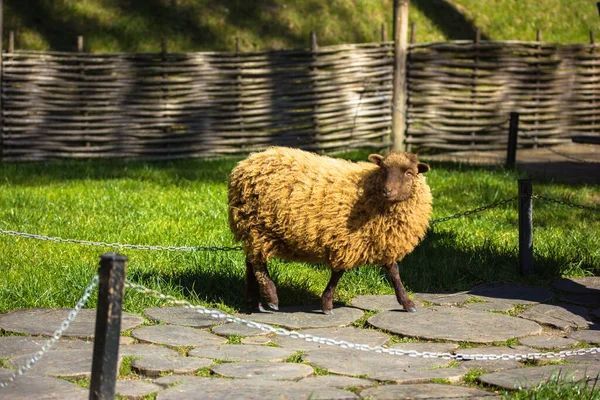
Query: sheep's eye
{"points": [[409, 173]]}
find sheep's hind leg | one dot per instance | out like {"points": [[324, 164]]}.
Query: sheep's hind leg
{"points": [[252, 290], [401, 295], [327, 297], [266, 287]]}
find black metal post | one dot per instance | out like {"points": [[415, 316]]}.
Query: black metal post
{"points": [[525, 227], [513, 134], [108, 326]]}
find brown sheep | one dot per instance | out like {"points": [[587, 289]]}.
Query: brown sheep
{"points": [[301, 206]]}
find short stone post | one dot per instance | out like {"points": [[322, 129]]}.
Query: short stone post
{"points": [[108, 326], [525, 227]]}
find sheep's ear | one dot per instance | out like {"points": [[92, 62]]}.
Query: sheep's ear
{"points": [[422, 167], [376, 159]]}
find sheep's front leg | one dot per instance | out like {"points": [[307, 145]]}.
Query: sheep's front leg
{"points": [[327, 297], [266, 287], [401, 295]]}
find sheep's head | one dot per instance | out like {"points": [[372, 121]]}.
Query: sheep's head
{"points": [[398, 172]]}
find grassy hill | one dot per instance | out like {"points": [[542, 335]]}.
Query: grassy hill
{"points": [[201, 25]]}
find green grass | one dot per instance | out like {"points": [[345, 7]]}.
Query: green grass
{"points": [[200, 25], [184, 203], [558, 388]]}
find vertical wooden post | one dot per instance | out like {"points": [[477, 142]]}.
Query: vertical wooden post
{"points": [[513, 134], [80, 44], [314, 47], [11, 42], [525, 227], [384, 32], [413, 33], [399, 95], [108, 326]]}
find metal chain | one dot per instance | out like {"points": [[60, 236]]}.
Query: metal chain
{"points": [[56, 335], [565, 203], [118, 245], [474, 211], [217, 314]]}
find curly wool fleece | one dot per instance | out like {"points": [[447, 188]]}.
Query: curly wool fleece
{"points": [[301, 206]]}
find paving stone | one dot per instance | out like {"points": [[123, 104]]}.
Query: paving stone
{"points": [[263, 370], [526, 378], [126, 340], [153, 366], [252, 389], [370, 364], [180, 316], [548, 342], [453, 374], [242, 352], [39, 387], [491, 305], [491, 366], [11, 346], [585, 359], [145, 350], [585, 299], [455, 324], [136, 389], [68, 363], [496, 350], [587, 335], [174, 335], [173, 380], [578, 285], [381, 302], [336, 381], [348, 333], [425, 391], [298, 317], [565, 317], [238, 329], [426, 346], [44, 321], [515, 294], [258, 340], [443, 299]]}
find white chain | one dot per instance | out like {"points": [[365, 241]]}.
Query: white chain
{"points": [[116, 245], [217, 314], [55, 336]]}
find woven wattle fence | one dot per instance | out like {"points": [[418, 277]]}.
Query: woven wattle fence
{"points": [[461, 93], [164, 106]]}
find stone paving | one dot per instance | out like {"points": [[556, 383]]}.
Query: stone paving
{"points": [[175, 353]]}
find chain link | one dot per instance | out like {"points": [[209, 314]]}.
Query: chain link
{"points": [[217, 314], [118, 245], [550, 149], [475, 210], [56, 335], [565, 203]]}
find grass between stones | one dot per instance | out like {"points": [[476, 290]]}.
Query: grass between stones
{"points": [[558, 388], [125, 370]]}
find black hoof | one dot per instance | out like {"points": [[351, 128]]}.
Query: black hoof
{"points": [[261, 308], [273, 307], [411, 309]]}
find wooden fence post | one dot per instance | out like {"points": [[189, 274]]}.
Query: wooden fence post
{"points": [[525, 227], [513, 134], [399, 94], [11, 42], [413, 33], [108, 326]]}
